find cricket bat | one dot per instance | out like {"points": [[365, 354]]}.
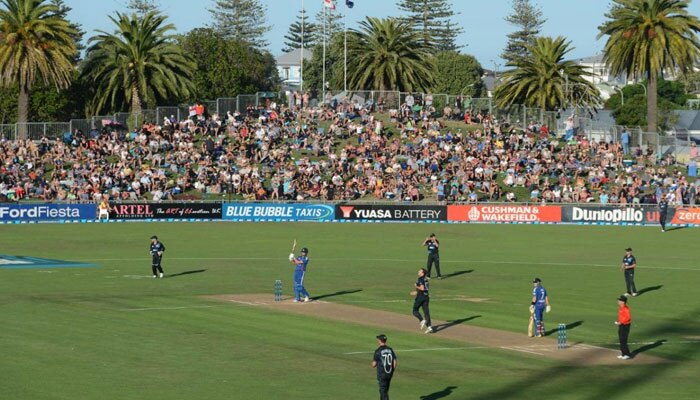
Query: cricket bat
{"points": [[294, 246], [531, 325]]}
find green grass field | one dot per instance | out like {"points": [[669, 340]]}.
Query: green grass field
{"points": [[112, 332]]}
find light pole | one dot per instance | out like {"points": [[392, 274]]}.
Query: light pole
{"points": [[495, 72], [622, 95], [643, 87]]}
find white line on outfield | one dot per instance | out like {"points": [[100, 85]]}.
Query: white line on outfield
{"points": [[397, 260], [167, 308], [431, 349]]}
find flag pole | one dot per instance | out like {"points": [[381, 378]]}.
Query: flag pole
{"points": [[301, 57], [345, 55], [323, 83]]}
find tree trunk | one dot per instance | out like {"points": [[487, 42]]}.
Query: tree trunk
{"points": [[135, 100], [652, 119], [23, 112]]}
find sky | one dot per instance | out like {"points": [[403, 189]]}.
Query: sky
{"points": [[483, 20]]}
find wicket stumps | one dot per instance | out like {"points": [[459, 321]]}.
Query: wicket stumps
{"points": [[278, 290], [561, 336]]}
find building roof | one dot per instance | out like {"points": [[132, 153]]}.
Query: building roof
{"points": [[293, 57], [597, 59]]}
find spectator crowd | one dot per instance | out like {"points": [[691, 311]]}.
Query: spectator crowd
{"points": [[345, 150]]}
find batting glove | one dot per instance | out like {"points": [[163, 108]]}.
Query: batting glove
{"points": [[549, 308], [532, 309], [291, 256]]}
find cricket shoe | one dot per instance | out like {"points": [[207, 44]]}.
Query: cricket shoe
{"points": [[635, 294], [429, 330], [422, 324], [161, 275], [296, 300], [620, 356], [155, 276], [307, 299], [625, 357]]}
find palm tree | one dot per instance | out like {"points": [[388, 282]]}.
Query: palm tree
{"points": [[543, 79], [648, 38], [386, 54], [138, 64], [35, 42]]}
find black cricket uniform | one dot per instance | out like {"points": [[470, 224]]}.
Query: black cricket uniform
{"points": [[384, 356], [422, 301], [663, 210], [157, 250], [629, 273], [433, 257]]}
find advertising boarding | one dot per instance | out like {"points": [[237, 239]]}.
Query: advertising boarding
{"points": [[504, 213], [390, 212], [277, 212], [47, 212], [197, 211]]}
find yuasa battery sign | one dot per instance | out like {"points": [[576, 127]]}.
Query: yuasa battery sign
{"points": [[390, 212], [503, 213]]}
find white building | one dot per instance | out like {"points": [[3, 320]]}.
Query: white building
{"points": [[600, 72], [289, 66]]}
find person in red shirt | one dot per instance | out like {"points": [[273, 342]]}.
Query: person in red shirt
{"points": [[624, 320]]}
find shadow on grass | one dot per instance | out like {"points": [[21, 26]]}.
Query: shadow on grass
{"points": [[649, 289], [194, 271], [675, 228], [439, 395], [648, 347], [449, 324], [568, 327], [457, 273], [340, 293]]}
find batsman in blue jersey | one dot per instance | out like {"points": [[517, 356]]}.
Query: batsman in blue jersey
{"points": [[540, 304], [300, 262]]}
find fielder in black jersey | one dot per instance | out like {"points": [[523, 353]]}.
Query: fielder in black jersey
{"points": [[422, 301], [663, 210], [433, 245], [384, 361], [157, 249]]}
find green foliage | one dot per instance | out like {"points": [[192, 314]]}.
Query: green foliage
{"points": [[633, 112], [388, 55], [138, 64], [241, 20], [529, 20], [37, 44], [456, 73], [296, 34], [226, 67], [543, 79], [335, 74], [78, 31], [142, 7], [647, 38], [434, 20]]}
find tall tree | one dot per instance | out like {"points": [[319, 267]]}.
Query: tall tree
{"points": [[227, 68], [456, 72], [434, 20], [300, 31], [333, 20], [528, 19], [138, 64], [142, 7], [543, 79], [648, 39], [78, 34], [388, 55], [241, 20], [37, 43]]}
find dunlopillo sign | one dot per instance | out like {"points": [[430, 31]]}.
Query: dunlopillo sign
{"points": [[610, 214], [277, 212], [47, 212]]}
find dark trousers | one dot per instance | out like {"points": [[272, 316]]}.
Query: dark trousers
{"points": [[629, 281], [422, 302], [623, 331], [384, 383], [155, 264], [662, 220], [433, 258]]}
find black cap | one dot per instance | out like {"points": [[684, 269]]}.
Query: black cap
{"points": [[382, 337], [622, 299], [536, 280], [154, 237], [432, 235], [304, 250], [628, 249]]}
